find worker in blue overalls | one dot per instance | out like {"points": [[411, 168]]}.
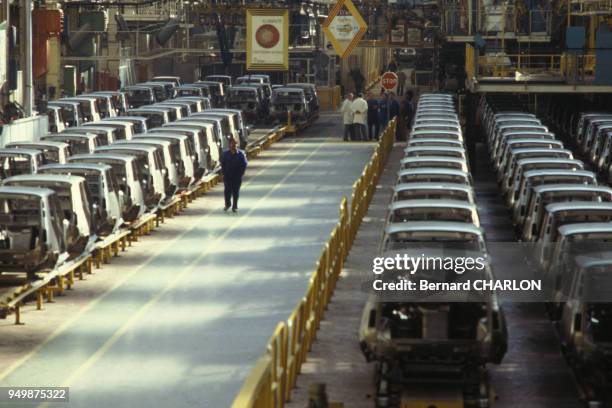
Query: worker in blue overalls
{"points": [[233, 165]]}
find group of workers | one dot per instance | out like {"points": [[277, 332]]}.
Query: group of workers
{"points": [[363, 119]]}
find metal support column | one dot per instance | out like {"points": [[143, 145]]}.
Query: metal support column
{"points": [[27, 74]]}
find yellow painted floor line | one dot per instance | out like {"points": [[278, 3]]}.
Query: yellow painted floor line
{"points": [[6, 372]]}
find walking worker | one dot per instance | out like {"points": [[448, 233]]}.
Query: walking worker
{"points": [[233, 165], [347, 117], [360, 110]]}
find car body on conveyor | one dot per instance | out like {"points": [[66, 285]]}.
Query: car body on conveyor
{"points": [[530, 179], [433, 141], [171, 154], [208, 130], [53, 152], [439, 151], [226, 80], [107, 200], [434, 161], [105, 134], [562, 213], [417, 191], [433, 210], [157, 117], [175, 80], [118, 99], [105, 104], [181, 149], [78, 224], [438, 134], [138, 96], [124, 129], [190, 90], [436, 125], [217, 92], [128, 177], [506, 137], [228, 123], [239, 123], [200, 139], [553, 193], [79, 143], [505, 170], [32, 230], [410, 337], [63, 115], [585, 317], [250, 101], [89, 106], [583, 123], [513, 181], [434, 175], [17, 161], [580, 239], [163, 89], [221, 126], [140, 123], [287, 100], [515, 155], [196, 103], [149, 160]]}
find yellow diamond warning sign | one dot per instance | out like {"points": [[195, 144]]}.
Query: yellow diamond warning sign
{"points": [[344, 27]]}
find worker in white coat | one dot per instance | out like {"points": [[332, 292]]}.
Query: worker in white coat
{"points": [[360, 119], [347, 117]]}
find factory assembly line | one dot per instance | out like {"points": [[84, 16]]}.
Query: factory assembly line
{"points": [[346, 204]]}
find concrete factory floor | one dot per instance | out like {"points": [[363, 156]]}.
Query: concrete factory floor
{"points": [[179, 319]]}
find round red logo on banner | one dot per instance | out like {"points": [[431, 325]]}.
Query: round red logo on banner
{"points": [[267, 36]]}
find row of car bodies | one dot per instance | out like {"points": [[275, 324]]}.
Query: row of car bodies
{"points": [[253, 95], [262, 102], [561, 209], [105, 172], [433, 212]]}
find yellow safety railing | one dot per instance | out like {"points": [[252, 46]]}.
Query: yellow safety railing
{"points": [[274, 376]]}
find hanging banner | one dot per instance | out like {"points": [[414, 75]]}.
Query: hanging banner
{"points": [[267, 40], [397, 35], [344, 27]]}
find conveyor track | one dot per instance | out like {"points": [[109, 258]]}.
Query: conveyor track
{"points": [[534, 373]]}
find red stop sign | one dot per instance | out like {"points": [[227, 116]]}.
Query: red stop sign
{"points": [[389, 80]]}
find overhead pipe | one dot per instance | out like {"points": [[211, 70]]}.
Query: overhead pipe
{"points": [[109, 3]]}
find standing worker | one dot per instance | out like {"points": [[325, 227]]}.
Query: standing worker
{"points": [[373, 121], [233, 165], [360, 110], [394, 106], [383, 110], [347, 117], [358, 79], [401, 82], [405, 117]]}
